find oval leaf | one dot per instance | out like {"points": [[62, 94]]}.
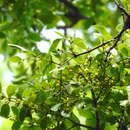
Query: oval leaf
{"points": [[5, 110]]}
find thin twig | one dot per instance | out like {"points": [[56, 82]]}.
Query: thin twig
{"points": [[17, 46], [88, 51], [65, 27]]}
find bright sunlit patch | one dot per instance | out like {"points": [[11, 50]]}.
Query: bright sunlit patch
{"points": [[95, 35], [7, 76], [123, 103], [1, 121], [111, 7], [1, 57], [114, 51], [61, 23], [5, 124], [50, 34], [21, 55], [43, 46], [91, 30], [75, 33]]}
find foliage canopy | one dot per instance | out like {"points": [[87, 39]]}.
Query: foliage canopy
{"points": [[81, 83]]}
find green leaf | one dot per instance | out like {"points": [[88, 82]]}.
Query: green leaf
{"points": [[54, 45], [25, 127], [124, 50], [41, 97], [108, 126], [35, 128], [3, 47], [102, 29], [111, 119], [5, 26], [1, 2], [24, 112], [128, 108], [44, 123], [2, 35], [79, 42], [5, 110], [127, 78], [34, 36], [0, 88], [56, 107], [11, 90], [60, 34], [15, 59], [15, 110], [16, 125], [99, 57]]}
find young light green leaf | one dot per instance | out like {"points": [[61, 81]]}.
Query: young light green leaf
{"points": [[11, 90], [0, 88], [79, 42], [15, 59], [56, 107], [60, 34], [34, 36], [54, 45], [101, 29]]}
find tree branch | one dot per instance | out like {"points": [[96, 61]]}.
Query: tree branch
{"points": [[118, 37], [65, 27], [82, 125], [121, 8], [73, 14], [88, 51], [125, 27], [70, 5]]}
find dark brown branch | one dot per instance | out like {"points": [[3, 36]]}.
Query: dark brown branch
{"points": [[118, 37], [73, 14], [121, 8], [82, 125], [69, 5], [126, 16], [65, 27], [125, 27], [88, 51]]}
